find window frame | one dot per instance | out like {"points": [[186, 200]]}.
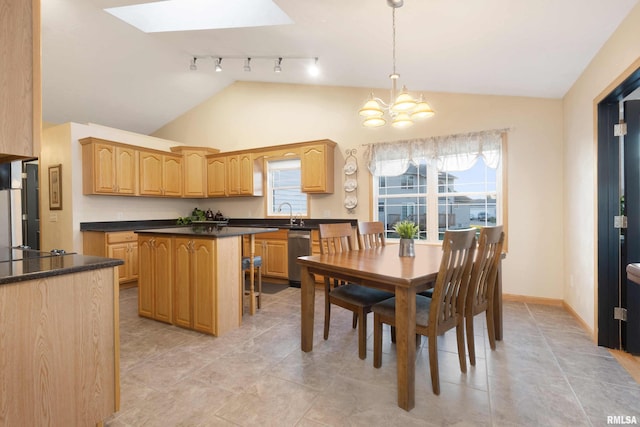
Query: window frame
{"points": [[268, 206]]}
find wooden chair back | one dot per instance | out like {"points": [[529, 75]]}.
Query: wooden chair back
{"points": [[447, 306], [485, 270], [335, 238], [370, 234]]}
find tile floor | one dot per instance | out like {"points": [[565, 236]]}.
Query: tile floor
{"points": [[546, 372]]}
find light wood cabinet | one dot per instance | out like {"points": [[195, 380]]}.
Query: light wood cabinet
{"points": [[155, 277], [20, 80], [207, 291], [216, 176], [242, 173], [160, 174], [317, 167], [194, 170], [273, 248], [108, 167], [120, 244]]}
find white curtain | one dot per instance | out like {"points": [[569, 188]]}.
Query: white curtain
{"points": [[452, 152]]}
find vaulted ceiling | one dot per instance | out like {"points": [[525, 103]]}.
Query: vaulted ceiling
{"points": [[97, 68]]}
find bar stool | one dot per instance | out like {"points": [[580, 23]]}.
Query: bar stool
{"points": [[257, 269]]}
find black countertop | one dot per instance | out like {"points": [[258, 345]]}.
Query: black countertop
{"points": [[280, 223], [204, 230], [39, 268]]}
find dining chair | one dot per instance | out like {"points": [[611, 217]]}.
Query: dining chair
{"points": [[338, 238], [445, 311], [482, 285], [371, 234]]}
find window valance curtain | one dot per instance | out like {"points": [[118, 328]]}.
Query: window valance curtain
{"points": [[451, 152]]}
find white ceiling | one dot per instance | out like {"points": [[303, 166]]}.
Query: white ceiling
{"points": [[98, 69]]}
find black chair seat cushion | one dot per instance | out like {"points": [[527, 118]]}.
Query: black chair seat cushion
{"points": [[387, 308], [359, 295], [428, 293], [246, 262]]}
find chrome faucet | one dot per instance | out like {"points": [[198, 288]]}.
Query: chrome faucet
{"points": [[290, 211]]}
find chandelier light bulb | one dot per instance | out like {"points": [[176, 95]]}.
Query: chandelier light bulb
{"points": [[422, 110], [404, 101], [371, 108], [402, 120], [374, 121]]}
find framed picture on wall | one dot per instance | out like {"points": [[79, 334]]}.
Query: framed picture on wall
{"points": [[55, 187]]}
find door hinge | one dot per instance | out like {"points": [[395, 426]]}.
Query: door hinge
{"points": [[620, 313], [620, 129], [619, 221]]}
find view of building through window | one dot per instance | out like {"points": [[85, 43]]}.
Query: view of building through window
{"points": [[283, 185], [438, 201]]}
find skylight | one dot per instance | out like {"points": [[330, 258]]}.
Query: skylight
{"points": [[188, 15]]}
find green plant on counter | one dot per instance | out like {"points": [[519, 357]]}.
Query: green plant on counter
{"points": [[196, 215], [406, 229]]}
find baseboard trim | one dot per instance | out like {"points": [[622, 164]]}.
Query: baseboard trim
{"points": [[629, 362], [580, 321], [532, 300]]}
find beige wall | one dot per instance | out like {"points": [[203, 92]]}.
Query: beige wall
{"points": [[247, 115], [580, 161]]}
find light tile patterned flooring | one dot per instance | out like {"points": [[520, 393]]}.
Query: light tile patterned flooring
{"points": [[546, 372]]}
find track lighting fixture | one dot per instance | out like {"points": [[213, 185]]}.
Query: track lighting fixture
{"points": [[196, 62]]}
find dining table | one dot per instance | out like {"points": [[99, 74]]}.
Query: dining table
{"points": [[383, 268]]}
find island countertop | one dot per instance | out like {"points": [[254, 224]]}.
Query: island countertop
{"points": [[39, 268], [205, 230]]}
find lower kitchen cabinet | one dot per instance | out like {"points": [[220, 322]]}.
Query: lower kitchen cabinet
{"points": [[155, 278], [273, 248], [118, 244]]}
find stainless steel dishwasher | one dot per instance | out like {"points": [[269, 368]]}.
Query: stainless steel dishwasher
{"points": [[299, 242]]}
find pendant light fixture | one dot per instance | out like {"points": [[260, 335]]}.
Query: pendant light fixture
{"points": [[403, 108]]}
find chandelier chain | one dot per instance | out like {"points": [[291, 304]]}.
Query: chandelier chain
{"points": [[393, 26]]}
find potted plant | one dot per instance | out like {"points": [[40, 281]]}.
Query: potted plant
{"points": [[407, 230]]}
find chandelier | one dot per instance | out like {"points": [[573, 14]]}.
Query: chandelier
{"points": [[403, 108]]}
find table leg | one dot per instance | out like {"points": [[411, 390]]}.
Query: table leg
{"points": [[252, 296], [497, 303], [307, 292], [406, 346]]}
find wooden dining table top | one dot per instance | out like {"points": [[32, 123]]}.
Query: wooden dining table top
{"points": [[381, 267]]}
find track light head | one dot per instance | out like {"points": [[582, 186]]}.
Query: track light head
{"points": [[247, 65], [278, 67], [218, 65], [314, 71], [193, 66]]}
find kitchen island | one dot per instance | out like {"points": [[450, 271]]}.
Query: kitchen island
{"points": [[192, 276], [59, 339]]}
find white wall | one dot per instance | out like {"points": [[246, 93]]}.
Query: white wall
{"points": [[580, 190], [247, 115]]}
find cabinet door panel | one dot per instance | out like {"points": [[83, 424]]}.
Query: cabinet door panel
{"points": [[182, 284], [104, 168], [216, 176], [195, 175], [125, 169], [277, 262], [204, 304], [120, 251], [233, 175], [162, 273], [145, 279], [133, 261], [172, 176], [150, 174]]}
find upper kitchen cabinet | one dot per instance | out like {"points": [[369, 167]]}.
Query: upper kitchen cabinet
{"points": [[242, 173], [317, 166], [108, 167], [194, 171], [20, 77], [160, 174]]}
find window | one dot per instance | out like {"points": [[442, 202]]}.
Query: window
{"points": [[283, 186], [439, 192]]}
